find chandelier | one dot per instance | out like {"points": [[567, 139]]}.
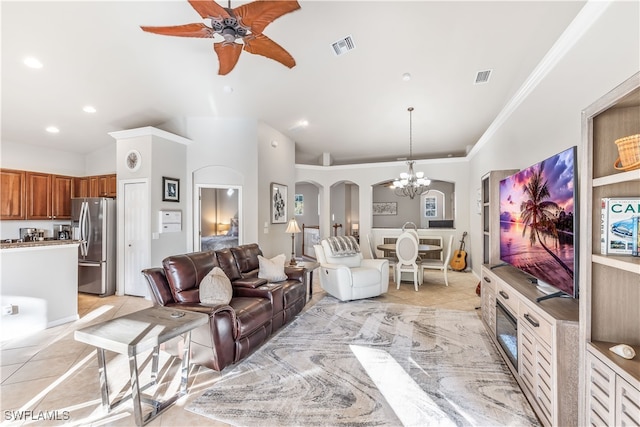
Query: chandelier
{"points": [[412, 183]]}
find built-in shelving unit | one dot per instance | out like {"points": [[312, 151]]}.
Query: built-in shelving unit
{"points": [[491, 214], [609, 285]]}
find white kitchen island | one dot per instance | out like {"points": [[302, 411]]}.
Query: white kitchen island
{"points": [[40, 281]]}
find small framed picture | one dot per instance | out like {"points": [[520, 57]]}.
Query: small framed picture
{"points": [[170, 189], [278, 203], [385, 208]]}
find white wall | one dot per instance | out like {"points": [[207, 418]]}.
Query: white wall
{"points": [[223, 152], [276, 164], [549, 119]]}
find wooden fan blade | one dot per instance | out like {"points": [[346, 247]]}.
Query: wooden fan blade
{"points": [[228, 54], [259, 14], [209, 9], [187, 30], [263, 45]]}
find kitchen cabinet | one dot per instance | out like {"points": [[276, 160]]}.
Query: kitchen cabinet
{"points": [[39, 195], [61, 196], [48, 196], [42, 196], [102, 185], [609, 284], [80, 187], [12, 194]]}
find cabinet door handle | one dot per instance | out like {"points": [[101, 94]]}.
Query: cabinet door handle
{"points": [[486, 279], [531, 320], [504, 295]]}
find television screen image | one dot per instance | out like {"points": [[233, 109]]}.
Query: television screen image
{"points": [[538, 221]]}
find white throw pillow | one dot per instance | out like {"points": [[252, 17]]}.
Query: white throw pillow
{"points": [[272, 269], [216, 288]]}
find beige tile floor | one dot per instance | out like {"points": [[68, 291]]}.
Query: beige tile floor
{"points": [[52, 375]]}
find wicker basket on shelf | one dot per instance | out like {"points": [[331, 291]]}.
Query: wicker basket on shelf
{"points": [[628, 153]]}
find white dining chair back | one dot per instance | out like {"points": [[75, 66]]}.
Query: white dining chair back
{"points": [[407, 253], [440, 264], [414, 233], [374, 255]]}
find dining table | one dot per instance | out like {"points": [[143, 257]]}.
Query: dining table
{"points": [[422, 248]]}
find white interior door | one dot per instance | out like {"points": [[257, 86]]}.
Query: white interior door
{"points": [[136, 241]]}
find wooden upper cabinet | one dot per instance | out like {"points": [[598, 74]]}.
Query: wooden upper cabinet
{"points": [[38, 195], [112, 185], [80, 187], [61, 196], [12, 194], [94, 186]]}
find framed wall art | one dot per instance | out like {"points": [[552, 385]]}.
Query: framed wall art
{"points": [[298, 204], [170, 189], [430, 207], [278, 203], [385, 208]]}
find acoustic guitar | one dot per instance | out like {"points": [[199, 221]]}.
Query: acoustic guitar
{"points": [[459, 258]]}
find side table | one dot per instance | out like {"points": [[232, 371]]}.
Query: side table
{"points": [[309, 266], [133, 334]]}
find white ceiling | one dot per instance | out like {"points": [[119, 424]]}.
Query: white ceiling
{"points": [[356, 104]]}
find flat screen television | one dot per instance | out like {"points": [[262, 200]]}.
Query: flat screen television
{"points": [[539, 223]]}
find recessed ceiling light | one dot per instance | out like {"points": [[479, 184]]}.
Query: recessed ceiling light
{"points": [[88, 109], [32, 62], [52, 129], [406, 77], [227, 89]]}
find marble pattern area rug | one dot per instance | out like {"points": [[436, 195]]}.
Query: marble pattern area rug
{"points": [[368, 363]]}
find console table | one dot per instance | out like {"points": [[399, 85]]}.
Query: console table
{"points": [[547, 342], [133, 334]]}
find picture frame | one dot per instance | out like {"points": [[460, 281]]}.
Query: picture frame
{"points": [[298, 204], [385, 208], [170, 189], [430, 207], [278, 200]]}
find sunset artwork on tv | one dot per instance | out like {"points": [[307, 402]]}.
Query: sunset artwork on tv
{"points": [[538, 222]]}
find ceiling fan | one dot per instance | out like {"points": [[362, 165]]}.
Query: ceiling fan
{"points": [[244, 23]]}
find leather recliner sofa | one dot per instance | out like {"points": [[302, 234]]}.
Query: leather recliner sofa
{"points": [[257, 309]]}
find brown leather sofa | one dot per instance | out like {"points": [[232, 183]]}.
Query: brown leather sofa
{"points": [[256, 311]]}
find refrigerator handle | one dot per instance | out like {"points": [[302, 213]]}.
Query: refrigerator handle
{"points": [[83, 231]]}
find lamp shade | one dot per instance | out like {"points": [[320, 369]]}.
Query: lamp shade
{"points": [[355, 227], [292, 226]]}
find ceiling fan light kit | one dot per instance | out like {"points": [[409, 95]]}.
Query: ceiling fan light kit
{"points": [[244, 23]]}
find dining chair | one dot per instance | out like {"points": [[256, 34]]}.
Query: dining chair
{"points": [[372, 251], [439, 264], [407, 253]]}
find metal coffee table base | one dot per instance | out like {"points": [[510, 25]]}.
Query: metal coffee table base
{"points": [[134, 334], [136, 390]]}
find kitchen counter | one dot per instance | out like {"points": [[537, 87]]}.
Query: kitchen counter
{"points": [[39, 279], [40, 243]]}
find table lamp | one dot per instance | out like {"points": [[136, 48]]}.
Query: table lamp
{"points": [[354, 229], [292, 227]]}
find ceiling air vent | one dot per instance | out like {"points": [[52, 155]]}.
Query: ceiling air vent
{"points": [[483, 76], [343, 46]]}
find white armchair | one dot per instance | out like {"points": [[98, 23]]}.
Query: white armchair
{"points": [[350, 277]]}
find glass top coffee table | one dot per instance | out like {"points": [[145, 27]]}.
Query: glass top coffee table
{"points": [[133, 334]]}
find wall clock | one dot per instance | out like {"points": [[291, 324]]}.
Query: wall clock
{"points": [[133, 160]]}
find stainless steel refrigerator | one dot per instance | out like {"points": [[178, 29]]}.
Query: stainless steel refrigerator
{"points": [[94, 225]]}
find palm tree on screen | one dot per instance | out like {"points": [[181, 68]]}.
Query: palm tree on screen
{"points": [[537, 213]]}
